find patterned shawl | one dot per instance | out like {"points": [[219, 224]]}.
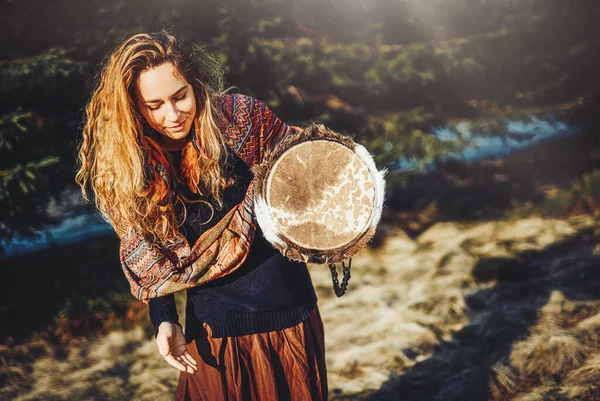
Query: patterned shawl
{"points": [[152, 271]]}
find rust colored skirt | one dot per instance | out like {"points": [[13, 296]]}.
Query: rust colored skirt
{"points": [[287, 364]]}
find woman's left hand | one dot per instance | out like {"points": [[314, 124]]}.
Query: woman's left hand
{"points": [[172, 346]]}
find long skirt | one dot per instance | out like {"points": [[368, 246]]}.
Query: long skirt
{"points": [[287, 364]]}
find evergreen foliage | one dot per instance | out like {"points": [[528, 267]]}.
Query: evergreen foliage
{"points": [[386, 71]]}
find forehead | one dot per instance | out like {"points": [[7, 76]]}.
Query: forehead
{"points": [[160, 82]]}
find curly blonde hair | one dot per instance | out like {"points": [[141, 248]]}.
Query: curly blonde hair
{"points": [[120, 157]]}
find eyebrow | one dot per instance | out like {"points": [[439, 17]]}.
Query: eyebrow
{"points": [[174, 94]]}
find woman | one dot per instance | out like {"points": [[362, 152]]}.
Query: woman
{"points": [[168, 157]]}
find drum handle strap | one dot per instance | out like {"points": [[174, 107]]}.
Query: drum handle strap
{"points": [[340, 289]]}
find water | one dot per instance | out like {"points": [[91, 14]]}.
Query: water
{"points": [[73, 229], [84, 226], [519, 135]]}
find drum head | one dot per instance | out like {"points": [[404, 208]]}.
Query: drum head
{"points": [[320, 195]]}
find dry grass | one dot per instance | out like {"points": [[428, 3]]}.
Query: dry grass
{"points": [[119, 366], [533, 316], [495, 310]]}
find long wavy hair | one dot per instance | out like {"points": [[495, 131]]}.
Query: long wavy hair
{"points": [[121, 157]]}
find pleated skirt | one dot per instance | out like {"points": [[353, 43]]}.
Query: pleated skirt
{"points": [[287, 364]]}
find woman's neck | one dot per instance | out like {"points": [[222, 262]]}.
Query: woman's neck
{"points": [[171, 144]]}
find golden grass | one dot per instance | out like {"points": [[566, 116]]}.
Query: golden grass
{"points": [[119, 366], [418, 323]]}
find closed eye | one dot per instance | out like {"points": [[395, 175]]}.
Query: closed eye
{"points": [[176, 98]]}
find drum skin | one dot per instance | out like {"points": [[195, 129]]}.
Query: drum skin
{"points": [[318, 196]]}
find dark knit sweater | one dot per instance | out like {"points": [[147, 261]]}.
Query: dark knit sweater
{"points": [[268, 293]]}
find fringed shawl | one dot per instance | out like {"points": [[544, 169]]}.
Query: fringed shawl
{"points": [[250, 129]]}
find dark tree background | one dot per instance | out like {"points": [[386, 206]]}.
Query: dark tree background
{"points": [[386, 71]]}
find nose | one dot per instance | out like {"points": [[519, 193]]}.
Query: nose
{"points": [[172, 112]]}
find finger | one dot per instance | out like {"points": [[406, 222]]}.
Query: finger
{"points": [[190, 358], [191, 368], [163, 345], [175, 363]]}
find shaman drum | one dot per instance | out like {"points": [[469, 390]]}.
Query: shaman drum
{"points": [[318, 197]]}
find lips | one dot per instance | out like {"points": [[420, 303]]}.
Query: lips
{"points": [[178, 126]]}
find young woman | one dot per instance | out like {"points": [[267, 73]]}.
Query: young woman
{"points": [[167, 155]]}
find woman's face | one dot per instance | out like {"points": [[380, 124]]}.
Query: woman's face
{"points": [[166, 100]]}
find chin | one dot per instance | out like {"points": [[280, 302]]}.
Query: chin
{"points": [[180, 134]]}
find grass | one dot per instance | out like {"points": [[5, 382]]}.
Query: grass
{"points": [[511, 324], [582, 197]]}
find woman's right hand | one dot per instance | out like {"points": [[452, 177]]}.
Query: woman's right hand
{"points": [[171, 345]]}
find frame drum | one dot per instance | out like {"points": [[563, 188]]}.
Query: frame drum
{"points": [[318, 196]]}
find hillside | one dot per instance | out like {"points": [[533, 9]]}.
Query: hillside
{"points": [[507, 308]]}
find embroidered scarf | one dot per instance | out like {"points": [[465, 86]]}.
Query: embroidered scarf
{"points": [[154, 271]]}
